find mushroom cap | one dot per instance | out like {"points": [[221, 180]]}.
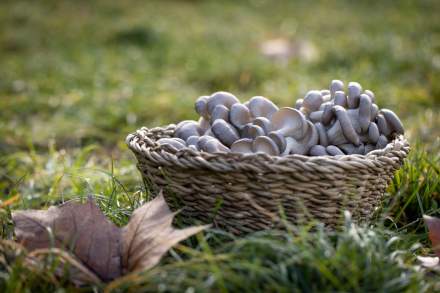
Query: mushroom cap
{"points": [[251, 131], [325, 92], [203, 140], [220, 112], [214, 146], [264, 123], [336, 85], [299, 104], [186, 129], [346, 125], [340, 99], [318, 150], [335, 135], [201, 106], [393, 120], [204, 125], [371, 95], [312, 100], [373, 133], [279, 139], [327, 114], [192, 140], [354, 93], [382, 142], [264, 144], [316, 116], [382, 124], [364, 112], [174, 142], [289, 122], [353, 114], [325, 104], [239, 115], [221, 98], [243, 145], [294, 147], [351, 149], [374, 111], [261, 107], [311, 138], [369, 147], [334, 150], [224, 132], [322, 134]]}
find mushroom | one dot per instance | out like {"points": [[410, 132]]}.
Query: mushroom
{"points": [[340, 99], [322, 134], [326, 98], [373, 132], [221, 98], [215, 146], [203, 140], [186, 129], [364, 112], [261, 107], [325, 104], [192, 140], [369, 147], [243, 145], [316, 116], [393, 120], [225, 132], [353, 114], [252, 131], [312, 101], [354, 93], [335, 134], [201, 106], [264, 144], [220, 112], [374, 110], [346, 125], [382, 142], [336, 85], [382, 124], [239, 115], [279, 139], [325, 92], [318, 150], [289, 122], [327, 114], [351, 149], [302, 146], [204, 124], [371, 95], [334, 150], [174, 142], [264, 123], [299, 104]]}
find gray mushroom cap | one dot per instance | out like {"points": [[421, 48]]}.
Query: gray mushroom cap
{"points": [[322, 134], [373, 133], [264, 123], [335, 134], [289, 122], [318, 150], [393, 120], [192, 140], [299, 104], [382, 142], [340, 99], [225, 132], [351, 149], [251, 131], [239, 115], [316, 116], [279, 139], [186, 129], [220, 112], [312, 101], [243, 146], [294, 147], [382, 124], [327, 114], [203, 140], [371, 95], [336, 85], [175, 143], [334, 150], [261, 107], [264, 144], [201, 106], [364, 112], [374, 111], [204, 125], [214, 146], [354, 93], [221, 98], [346, 125]]}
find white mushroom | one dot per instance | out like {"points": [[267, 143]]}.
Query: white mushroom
{"points": [[225, 132], [289, 122], [261, 107], [186, 129], [221, 98], [322, 134], [346, 125], [382, 124], [264, 144], [334, 150], [336, 85], [373, 132], [220, 112], [312, 101], [393, 120], [251, 131], [318, 150], [239, 115], [364, 112], [340, 99], [243, 145], [201, 106], [354, 93], [264, 123], [174, 142]]}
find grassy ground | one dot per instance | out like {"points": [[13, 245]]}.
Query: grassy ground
{"points": [[77, 76]]}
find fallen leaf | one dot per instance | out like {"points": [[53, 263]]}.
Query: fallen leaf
{"points": [[149, 235], [434, 232]]}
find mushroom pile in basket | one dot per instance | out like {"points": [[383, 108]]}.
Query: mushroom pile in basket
{"points": [[326, 122]]}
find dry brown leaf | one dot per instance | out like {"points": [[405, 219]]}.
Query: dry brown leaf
{"points": [[434, 232], [81, 228], [149, 235]]}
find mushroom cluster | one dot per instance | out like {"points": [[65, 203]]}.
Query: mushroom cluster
{"points": [[325, 122]]}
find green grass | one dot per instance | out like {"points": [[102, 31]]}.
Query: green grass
{"points": [[76, 77]]}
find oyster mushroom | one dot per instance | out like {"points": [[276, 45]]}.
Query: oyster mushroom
{"points": [[316, 116], [220, 112], [243, 146], [318, 150], [334, 150], [289, 122], [203, 140], [371, 95], [336, 85], [204, 124], [261, 107], [325, 93], [201, 106], [382, 142], [264, 144], [325, 104], [174, 142], [312, 101], [364, 112], [251, 131], [221, 98], [302, 146], [335, 134], [346, 125], [393, 120], [322, 134], [264, 123], [340, 99], [299, 104], [354, 93], [279, 139], [382, 124], [225, 132], [373, 132], [239, 115], [186, 129], [327, 114], [192, 140], [369, 147], [215, 146], [351, 149], [374, 110]]}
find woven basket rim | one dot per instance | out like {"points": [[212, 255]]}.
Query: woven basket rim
{"points": [[143, 143]]}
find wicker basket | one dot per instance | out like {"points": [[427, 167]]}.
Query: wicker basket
{"points": [[244, 193]]}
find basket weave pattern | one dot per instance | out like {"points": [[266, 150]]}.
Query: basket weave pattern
{"points": [[244, 193]]}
